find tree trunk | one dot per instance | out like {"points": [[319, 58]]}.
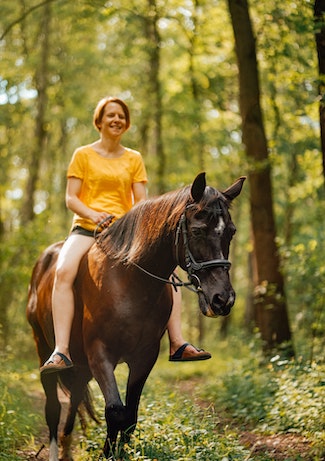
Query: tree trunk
{"points": [[41, 83], [269, 296], [155, 92], [198, 135], [319, 12]]}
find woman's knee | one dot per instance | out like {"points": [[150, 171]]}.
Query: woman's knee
{"points": [[69, 258], [65, 274]]}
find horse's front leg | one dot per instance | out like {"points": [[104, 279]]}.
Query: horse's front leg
{"points": [[138, 374], [103, 372]]}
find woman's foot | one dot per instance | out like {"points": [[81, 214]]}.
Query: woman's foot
{"points": [[57, 362], [189, 353]]}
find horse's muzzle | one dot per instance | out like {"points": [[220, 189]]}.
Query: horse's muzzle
{"points": [[218, 306]]}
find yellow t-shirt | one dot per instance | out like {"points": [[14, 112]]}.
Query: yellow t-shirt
{"points": [[106, 182]]}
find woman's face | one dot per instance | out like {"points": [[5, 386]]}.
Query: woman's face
{"points": [[113, 122]]}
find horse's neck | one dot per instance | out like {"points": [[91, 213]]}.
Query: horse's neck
{"points": [[160, 259]]}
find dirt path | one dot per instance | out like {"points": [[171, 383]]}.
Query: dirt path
{"points": [[280, 446]]}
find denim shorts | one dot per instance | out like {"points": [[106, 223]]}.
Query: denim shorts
{"points": [[81, 231]]}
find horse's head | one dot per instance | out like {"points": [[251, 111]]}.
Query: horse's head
{"points": [[206, 229]]}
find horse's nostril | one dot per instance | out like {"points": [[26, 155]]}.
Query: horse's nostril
{"points": [[219, 300], [222, 304]]}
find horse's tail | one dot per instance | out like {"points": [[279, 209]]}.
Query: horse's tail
{"points": [[87, 404], [38, 309], [41, 268]]}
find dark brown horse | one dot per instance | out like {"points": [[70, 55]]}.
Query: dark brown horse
{"points": [[123, 299]]}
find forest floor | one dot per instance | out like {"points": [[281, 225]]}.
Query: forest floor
{"points": [[281, 447], [278, 447]]}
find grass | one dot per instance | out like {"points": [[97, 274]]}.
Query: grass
{"points": [[172, 425], [21, 416], [188, 411]]}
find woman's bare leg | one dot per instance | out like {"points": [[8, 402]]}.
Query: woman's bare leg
{"points": [[176, 339], [62, 296]]}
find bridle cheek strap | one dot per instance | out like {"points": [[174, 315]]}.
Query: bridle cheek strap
{"points": [[191, 266], [190, 263]]}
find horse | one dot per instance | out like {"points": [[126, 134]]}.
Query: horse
{"points": [[123, 301]]}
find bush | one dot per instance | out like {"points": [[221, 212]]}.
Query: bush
{"points": [[18, 419], [279, 397]]}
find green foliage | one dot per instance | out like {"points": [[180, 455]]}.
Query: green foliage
{"points": [[19, 252], [187, 411], [175, 431], [279, 397], [170, 426], [18, 418], [303, 263], [299, 400], [98, 48]]}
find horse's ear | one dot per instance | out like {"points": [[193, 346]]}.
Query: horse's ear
{"points": [[234, 190], [198, 187]]}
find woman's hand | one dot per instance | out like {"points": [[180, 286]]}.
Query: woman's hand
{"points": [[100, 218]]}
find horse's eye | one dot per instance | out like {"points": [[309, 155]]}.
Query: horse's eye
{"points": [[231, 230], [229, 233]]}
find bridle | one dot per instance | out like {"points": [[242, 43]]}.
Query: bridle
{"points": [[191, 265]]}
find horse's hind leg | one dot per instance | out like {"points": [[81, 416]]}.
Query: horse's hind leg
{"points": [[77, 385], [52, 412]]}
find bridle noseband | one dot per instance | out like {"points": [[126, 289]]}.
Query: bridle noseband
{"points": [[191, 265]]}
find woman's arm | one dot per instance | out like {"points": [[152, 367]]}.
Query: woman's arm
{"points": [[139, 191]]}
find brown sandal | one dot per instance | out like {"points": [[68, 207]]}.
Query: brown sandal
{"points": [[182, 355], [51, 367]]}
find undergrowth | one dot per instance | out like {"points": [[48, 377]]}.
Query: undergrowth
{"points": [[187, 412], [275, 398], [197, 412], [19, 418], [171, 427]]}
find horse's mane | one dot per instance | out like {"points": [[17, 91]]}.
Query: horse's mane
{"points": [[131, 236]]}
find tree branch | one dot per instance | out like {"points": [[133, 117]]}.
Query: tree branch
{"points": [[22, 17]]}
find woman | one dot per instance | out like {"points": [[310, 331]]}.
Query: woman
{"points": [[104, 179]]}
